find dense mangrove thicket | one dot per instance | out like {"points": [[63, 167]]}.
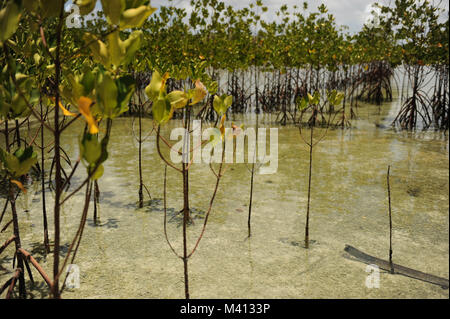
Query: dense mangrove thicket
{"points": [[268, 65], [58, 69]]}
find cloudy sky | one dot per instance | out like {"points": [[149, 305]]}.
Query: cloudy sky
{"points": [[352, 13]]}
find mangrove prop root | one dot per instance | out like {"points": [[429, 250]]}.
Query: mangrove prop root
{"points": [[401, 270], [12, 283], [36, 265], [7, 242]]}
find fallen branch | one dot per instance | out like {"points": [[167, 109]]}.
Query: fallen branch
{"points": [[401, 270]]}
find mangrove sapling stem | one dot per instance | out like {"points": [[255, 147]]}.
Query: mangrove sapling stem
{"points": [[7, 242], [252, 178], [96, 201], [141, 195], [185, 171], [16, 122], [15, 221], [311, 145], [309, 187], [57, 152], [158, 137], [6, 226], [211, 202], [78, 235], [44, 208], [165, 214], [20, 265], [4, 210], [186, 151], [390, 222]]}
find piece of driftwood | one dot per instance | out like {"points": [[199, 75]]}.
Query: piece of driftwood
{"points": [[398, 269]]}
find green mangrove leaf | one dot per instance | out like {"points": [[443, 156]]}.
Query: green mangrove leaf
{"points": [[20, 162], [213, 87], [86, 6], [162, 110], [98, 48], [4, 106], [19, 107], [90, 148], [115, 49], [227, 101], [98, 172], [73, 90], [31, 5], [50, 8], [93, 153], [135, 17], [222, 103], [125, 89], [107, 94], [131, 46], [178, 99], [339, 97], [303, 103], [9, 19], [157, 85], [88, 82], [113, 10]]}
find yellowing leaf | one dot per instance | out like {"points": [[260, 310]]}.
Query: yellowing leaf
{"points": [[84, 106], [198, 93], [66, 112], [20, 185]]}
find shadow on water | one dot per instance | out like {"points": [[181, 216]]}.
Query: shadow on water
{"points": [[173, 215], [111, 223]]}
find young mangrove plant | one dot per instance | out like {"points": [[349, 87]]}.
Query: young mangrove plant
{"points": [[312, 103], [163, 108]]}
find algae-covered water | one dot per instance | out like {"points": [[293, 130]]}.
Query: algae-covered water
{"points": [[126, 255]]}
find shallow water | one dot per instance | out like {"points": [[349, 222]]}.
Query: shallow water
{"points": [[126, 256]]}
